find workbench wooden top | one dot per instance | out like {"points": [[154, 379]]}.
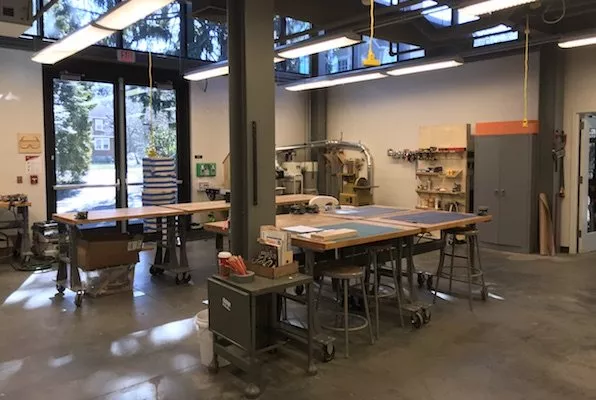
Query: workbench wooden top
{"points": [[6, 204], [433, 220], [114, 215], [281, 221], [368, 231], [221, 205]]}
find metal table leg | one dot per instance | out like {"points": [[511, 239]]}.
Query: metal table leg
{"points": [[253, 390], [183, 222], [159, 243], [311, 368], [25, 250], [75, 277]]}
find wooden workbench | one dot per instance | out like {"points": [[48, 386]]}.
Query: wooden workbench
{"points": [[221, 205], [116, 215], [432, 220], [281, 221]]}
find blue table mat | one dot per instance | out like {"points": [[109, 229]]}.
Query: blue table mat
{"points": [[430, 217], [363, 229], [366, 211]]}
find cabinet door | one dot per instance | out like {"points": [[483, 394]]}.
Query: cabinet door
{"points": [[515, 190], [486, 184]]}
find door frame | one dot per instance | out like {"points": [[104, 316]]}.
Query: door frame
{"points": [[111, 73], [587, 242]]}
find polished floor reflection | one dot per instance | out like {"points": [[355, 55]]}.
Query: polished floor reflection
{"points": [[532, 340]]}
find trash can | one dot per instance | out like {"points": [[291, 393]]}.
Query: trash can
{"points": [[206, 339]]}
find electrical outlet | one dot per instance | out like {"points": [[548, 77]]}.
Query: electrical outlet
{"points": [[203, 186], [19, 179]]}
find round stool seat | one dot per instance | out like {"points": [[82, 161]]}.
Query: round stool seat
{"points": [[344, 272]]}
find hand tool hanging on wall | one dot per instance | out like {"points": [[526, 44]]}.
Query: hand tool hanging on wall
{"points": [[559, 159]]}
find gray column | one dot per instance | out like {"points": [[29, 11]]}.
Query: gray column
{"points": [[550, 115], [252, 121], [318, 132]]}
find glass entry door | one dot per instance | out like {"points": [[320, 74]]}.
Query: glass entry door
{"points": [[587, 184], [85, 157], [141, 115], [101, 133]]}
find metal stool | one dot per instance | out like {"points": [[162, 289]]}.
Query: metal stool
{"points": [[474, 274], [344, 275], [373, 253]]}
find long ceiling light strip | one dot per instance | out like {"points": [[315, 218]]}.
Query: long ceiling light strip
{"points": [[367, 75], [318, 45], [211, 71], [432, 66], [118, 18], [578, 42], [489, 6], [326, 82]]}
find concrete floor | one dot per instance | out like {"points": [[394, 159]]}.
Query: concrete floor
{"points": [[537, 342]]}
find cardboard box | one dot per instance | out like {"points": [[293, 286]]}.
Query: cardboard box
{"points": [[273, 273], [96, 251]]}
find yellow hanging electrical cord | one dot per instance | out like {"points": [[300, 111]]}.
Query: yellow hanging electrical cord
{"points": [[526, 71], [151, 150], [371, 60]]}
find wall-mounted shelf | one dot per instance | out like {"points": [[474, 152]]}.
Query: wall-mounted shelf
{"points": [[439, 174], [439, 192]]}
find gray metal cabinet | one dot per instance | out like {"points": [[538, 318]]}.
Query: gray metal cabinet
{"points": [[503, 183]]}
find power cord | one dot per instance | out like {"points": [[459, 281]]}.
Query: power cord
{"points": [[555, 21]]}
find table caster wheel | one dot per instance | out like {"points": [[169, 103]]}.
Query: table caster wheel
{"points": [[421, 280], [484, 293], [429, 283], [60, 289], [299, 290], [328, 352], [417, 320], [179, 279], [252, 391], [153, 271], [79, 299], [426, 315], [213, 367], [187, 278]]}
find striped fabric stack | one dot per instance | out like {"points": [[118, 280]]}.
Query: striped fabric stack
{"points": [[159, 185]]}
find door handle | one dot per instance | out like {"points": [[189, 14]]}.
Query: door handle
{"points": [[503, 192], [496, 192]]}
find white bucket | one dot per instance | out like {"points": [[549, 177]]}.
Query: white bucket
{"points": [[206, 339]]}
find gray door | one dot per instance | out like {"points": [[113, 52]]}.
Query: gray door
{"points": [[515, 190], [486, 184]]}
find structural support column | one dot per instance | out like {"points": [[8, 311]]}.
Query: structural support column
{"points": [[252, 121], [318, 132], [550, 115]]}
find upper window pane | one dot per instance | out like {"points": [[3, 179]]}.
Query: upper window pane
{"points": [[33, 31], [209, 41], [158, 33], [299, 65], [336, 60], [409, 52], [380, 47], [66, 16]]}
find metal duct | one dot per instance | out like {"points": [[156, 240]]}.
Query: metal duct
{"points": [[335, 143]]}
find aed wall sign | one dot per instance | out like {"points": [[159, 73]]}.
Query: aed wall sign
{"points": [[29, 143]]}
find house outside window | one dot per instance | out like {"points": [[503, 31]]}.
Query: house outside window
{"points": [[101, 144], [98, 125]]}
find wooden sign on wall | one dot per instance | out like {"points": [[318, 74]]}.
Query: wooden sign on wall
{"points": [[29, 143]]}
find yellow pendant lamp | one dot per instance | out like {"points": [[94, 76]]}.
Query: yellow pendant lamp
{"points": [[371, 60]]}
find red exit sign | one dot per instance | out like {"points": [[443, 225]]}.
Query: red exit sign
{"points": [[127, 56]]}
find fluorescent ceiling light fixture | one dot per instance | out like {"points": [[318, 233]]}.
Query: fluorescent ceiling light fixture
{"points": [[71, 44], [492, 31], [310, 85], [118, 18], [579, 42], [318, 45], [129, 12], [329, 81], [424, 67], [489, 6], [211, 71], [358, 78]]}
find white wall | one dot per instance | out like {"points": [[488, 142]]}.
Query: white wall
{"points": [[388, 113], [210, 124], [580, 97], [21, 77]]}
